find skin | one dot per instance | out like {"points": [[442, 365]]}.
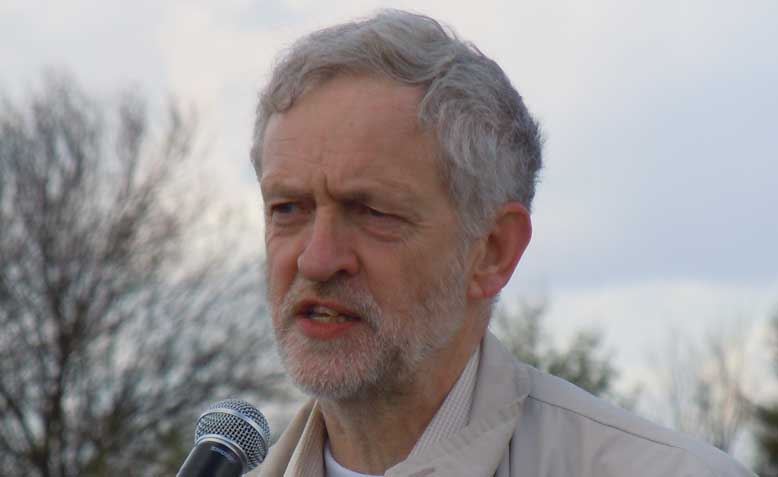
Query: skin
{"points": [[353, 194]]}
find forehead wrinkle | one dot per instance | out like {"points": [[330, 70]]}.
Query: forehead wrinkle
{"points": [[368, 191], [278, 187], [286, 147], [330, 133]]}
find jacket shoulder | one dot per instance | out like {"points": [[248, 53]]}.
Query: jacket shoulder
{"points": [[617, 437]]}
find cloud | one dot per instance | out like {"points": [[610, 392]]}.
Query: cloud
{"points": [[658, 152], [659, 115], [659, 191]]}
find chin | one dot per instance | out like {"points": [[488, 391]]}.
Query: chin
{"points": [[343, 370]]}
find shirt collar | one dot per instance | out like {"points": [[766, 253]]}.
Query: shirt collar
{"points": [[454, 413]]}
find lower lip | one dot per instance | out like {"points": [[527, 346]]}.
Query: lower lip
{"points": [[324, 330]]}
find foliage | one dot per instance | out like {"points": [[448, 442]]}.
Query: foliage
{"points": [[122, 316], [582, 362]]}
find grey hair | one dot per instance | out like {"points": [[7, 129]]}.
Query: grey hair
{"points": [[490, 146]]}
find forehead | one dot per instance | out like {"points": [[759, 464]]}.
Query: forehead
{"points": [[364, 121]]}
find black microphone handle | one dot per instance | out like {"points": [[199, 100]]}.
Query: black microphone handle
{"points": [[211, 459]]}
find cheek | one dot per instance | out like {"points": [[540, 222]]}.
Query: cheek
{"points": [[396, 278], [281, 268], [429, 272]]}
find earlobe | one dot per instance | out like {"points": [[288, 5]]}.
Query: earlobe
{"points": [[500, 251]]}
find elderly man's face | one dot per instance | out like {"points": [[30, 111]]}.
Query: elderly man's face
{"points": [[365, 269]]}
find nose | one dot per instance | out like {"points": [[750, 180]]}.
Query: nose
{"points": [[328, 250]]}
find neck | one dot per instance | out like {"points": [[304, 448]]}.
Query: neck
{"points": [[372, 434]]}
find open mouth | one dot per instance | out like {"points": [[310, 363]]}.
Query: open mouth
{"points": [[323, 314], [322, 322]]}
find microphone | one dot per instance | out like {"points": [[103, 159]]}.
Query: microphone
{"points": [[231, 438]]}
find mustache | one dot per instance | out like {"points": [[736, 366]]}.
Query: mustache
{"points": [[339, 290]]}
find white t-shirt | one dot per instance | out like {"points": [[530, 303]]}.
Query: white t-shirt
{"points": [[333, 469]]}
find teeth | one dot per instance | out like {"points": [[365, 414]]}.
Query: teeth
{"points": [[323, 310], [323, 314], [329, 318]]}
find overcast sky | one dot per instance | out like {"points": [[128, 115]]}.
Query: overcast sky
{"points": [[657, 202]]}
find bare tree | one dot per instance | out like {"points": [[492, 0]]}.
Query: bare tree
{"points": [[705, 385], [766, 417], [122, 312]]}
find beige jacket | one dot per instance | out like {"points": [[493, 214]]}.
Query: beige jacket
{"points": [[524, 423]]}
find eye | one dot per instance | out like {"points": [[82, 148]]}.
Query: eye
{"points": [[376, 218], [367, 211], [283, 208], [283, 213], [375, 212]]}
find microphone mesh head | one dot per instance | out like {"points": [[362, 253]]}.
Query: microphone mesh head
{"points": [[241, 423]]}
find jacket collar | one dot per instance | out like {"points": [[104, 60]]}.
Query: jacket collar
{"points": [[281, 453], [501, 387], [501, 381]]}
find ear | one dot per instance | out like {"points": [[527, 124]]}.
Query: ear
{"points": [[497, 253]]}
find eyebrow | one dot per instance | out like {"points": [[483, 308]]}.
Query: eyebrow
{"points": [[387, 192], [370, 192], [361, 193], [279, 188]]}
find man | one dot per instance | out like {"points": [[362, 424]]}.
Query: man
{"points": [[397, 166]]}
